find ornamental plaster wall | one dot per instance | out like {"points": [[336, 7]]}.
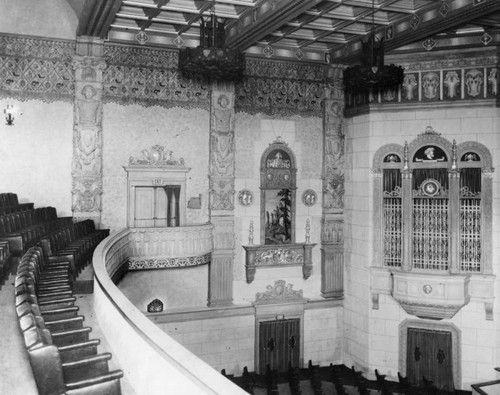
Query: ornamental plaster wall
{"points": [[128, 130], [253, 134], [372, 336], [35, 153]]}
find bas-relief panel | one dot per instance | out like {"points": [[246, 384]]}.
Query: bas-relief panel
{"points": [[130, 129]]}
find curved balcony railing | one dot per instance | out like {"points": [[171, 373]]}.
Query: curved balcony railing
{"points": [[153, 362]]}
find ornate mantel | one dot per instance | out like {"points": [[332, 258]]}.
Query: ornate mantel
{"points": [[278, 255]]}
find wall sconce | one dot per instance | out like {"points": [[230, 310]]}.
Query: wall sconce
{"points": [[9, 112]]}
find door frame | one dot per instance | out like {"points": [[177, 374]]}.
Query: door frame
{"points": [[433, 326]]}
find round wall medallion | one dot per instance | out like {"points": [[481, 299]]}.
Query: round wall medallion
{"points": [[309, 197], [245, 197], [427, 289], [431, 187]]}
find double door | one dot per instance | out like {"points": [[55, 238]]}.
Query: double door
{"points": [[429, 355], [157, 206], [279, 344]]}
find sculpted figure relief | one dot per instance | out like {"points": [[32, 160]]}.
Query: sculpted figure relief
{"points": [[86, 195], [409, 85], [222, 116], [88, 109], [86, 142], [451, 82], [493, 80], [473, 82], [222, 156], [430, 83]]}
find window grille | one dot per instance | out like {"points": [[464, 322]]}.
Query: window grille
{"points": [[430, 234]]}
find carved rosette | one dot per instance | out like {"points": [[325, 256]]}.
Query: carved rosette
{"points": [[87, 134]]}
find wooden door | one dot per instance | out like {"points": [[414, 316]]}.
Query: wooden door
{"points": [[429, 355], [144, 210], [279, 344]]}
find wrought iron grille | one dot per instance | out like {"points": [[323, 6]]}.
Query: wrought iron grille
{"points": [[470, 235], [392, 232], [430, 233]]}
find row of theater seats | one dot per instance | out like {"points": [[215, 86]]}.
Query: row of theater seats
{"points": [[9, 203], [63, 358], [342, 380], [23, 229]]}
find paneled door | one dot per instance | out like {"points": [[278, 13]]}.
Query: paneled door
{"points": [[157, 206], [429, 355], [279, 344]]}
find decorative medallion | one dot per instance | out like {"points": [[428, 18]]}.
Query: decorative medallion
{"points": [[486, 38], [430, 187], [427, 289], [309, 197], [268, 51], [179, 42], [245, 197], [280, 292], [429, 44], [470, 157], [299, 54], [141, 37], [415, 21], [444, 9], [156, 156], [156, 306]]}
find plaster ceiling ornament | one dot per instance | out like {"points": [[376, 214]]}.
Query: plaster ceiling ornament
{"points": [[268, 51], [486, 38], [142, 37], [415, 21], [156, 156], [444, 9], [429, 44], [299, 54], [179, 42]]}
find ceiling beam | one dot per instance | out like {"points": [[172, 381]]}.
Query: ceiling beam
{"points": [[267, 16], [431, 23], [97, 16]]}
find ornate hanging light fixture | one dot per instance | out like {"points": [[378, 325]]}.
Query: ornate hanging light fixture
{"points": [[211, 59], [372, 74]]}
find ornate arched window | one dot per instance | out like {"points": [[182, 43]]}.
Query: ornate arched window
{"points": [[433, 203], [278, 188]]}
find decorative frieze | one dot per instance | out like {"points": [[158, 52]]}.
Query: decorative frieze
{"points": [[258, 256], [168, 263]]}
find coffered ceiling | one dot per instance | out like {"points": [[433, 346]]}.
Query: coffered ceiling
{"points": [[307, 30]]}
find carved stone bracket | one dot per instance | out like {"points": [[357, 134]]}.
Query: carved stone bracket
{"points": [[273, 256]]}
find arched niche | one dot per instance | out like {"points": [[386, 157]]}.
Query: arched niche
{"points": [[278, 173]]}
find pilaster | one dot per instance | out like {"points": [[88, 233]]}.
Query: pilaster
{"points": [[221, 185], [88, 65], [332, 224]]}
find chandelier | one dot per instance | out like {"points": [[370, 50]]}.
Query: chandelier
{"points": [[211, 60], [372, 74]]}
